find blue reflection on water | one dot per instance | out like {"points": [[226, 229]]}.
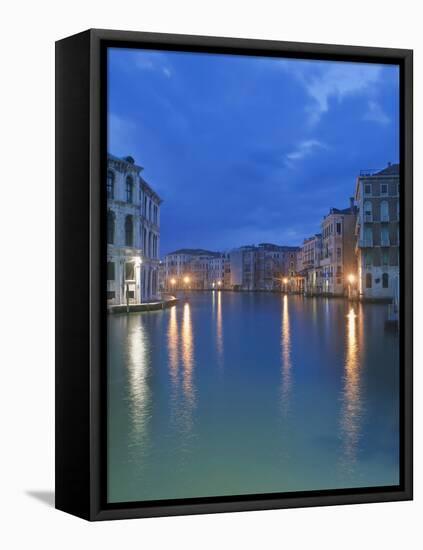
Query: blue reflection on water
{"points": [[232, 393]]}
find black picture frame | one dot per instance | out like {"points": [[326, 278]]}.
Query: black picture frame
{"points": [[80, 276]]}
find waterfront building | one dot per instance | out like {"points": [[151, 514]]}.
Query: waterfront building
{"points": [[377, 232], [338, 260], [262, 267], [189, 268], [242, 268], [133, 234], [216, 271], [309, 264]]}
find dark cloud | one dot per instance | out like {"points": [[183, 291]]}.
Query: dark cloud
{"points": [[244, 149]]}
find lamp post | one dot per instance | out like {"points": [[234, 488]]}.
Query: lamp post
{"points": [[351, 281], [172, 283], [219, 284], [186, 282], [285, 282]]}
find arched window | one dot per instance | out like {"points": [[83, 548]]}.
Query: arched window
{"points": [[110, 227], [385, 280], [384, 211], [368, 211], [129, 189], [129, 231], [110, 185], [368, 280]]}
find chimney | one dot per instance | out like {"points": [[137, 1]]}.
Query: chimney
{"points": [[352, 205], [389, 163]]}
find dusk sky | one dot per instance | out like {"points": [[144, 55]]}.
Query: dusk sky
{"points": [[245, 150]]}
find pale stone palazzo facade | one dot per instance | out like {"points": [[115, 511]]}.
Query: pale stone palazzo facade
{"points": [[377, 233], [133, 234]]}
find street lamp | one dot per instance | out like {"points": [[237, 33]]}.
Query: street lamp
{"points": [[351, 281], [219, 283], [186, 281], [172, 282], [285, 282]]}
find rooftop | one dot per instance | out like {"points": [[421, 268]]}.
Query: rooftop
{"points": [[390, 170], [194, 252]]}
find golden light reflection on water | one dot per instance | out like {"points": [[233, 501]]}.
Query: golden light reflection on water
{"points": [[186, 407], [352, 401], [138, 365], [219, 329], [173, 346], [286, 356]]}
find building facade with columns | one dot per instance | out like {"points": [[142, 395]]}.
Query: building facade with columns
{"points": [[133, 234], [377, 233], [309, 264], [338, 261], [192, 268]]}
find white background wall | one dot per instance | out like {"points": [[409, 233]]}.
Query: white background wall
{"points": [[28, 32]]}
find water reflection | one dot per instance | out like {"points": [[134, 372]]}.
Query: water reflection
{"points": [[285, 356], [352, 401], [187, 353], [219, 329], [172, 342], [173, 361], [138, 365]]}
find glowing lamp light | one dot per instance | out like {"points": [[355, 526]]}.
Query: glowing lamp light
{"points": [[351, 278], [285, 280], [186, 280], [173, 282], [219, 283]]}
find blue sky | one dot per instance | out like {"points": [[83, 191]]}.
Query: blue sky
{"points": [[246, 150]]}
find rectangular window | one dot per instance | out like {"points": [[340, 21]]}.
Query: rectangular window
{"points": [[338, 228], [385, 257], [368, 258], [129, 271], [367, 189], [384, 236], [384, 189], [368, 236], [110, 271]]}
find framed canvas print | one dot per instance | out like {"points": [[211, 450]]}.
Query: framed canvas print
{"points": [[234, 274]]}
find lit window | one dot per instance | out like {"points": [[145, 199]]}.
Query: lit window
{"points": [[129, 271]]}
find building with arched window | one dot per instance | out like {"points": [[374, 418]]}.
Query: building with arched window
{"points": [[133, 234], [377, 230]]}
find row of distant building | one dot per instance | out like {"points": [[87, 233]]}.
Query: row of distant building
{"points": [[355, 252]]}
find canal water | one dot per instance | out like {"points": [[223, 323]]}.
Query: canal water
{"points": [[241, 393]]}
